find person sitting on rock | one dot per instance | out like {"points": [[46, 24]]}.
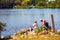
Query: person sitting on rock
{"points": [[35, 25], [30, 29]]}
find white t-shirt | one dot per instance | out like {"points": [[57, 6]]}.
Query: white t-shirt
{"points": [[35, 25]]}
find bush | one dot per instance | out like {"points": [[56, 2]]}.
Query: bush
{"points": [[43, 28], [17, 6], [38, 30], [22, 32], [58, 32]]}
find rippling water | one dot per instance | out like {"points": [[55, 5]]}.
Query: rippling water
{"points": [[17, 19]]}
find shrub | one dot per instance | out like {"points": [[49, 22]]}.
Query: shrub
{"points": [[23, 32], [58, 32], [18, 6], [43, 28], [38, 30]]}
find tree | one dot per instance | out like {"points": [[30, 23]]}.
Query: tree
{"points": [[25, 2], [33, 2], [6, 1], [41, 3], [17, 1], [51, 4], [57, 3]]}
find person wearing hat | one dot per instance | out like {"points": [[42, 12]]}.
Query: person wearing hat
{"points": [[45, 23]]}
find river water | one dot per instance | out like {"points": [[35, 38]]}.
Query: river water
{"points": [[17, 19]]}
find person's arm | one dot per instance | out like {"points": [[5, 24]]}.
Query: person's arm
{"points": [[44, 21], [33, 24]]}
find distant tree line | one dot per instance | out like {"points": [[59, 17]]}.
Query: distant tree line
{"points": [[28, 3]]}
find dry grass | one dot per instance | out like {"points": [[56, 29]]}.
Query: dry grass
{"points": [[33, 36], [37, 37]]}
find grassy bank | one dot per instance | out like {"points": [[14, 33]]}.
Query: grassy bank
{"points": [[34, 36], [29, 7], [37, 37]]}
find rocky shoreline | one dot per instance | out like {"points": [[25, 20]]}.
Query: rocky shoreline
{"points": [[33, 36]]}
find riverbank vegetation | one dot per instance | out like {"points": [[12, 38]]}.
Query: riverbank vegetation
{"points": [[29, 4]]}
